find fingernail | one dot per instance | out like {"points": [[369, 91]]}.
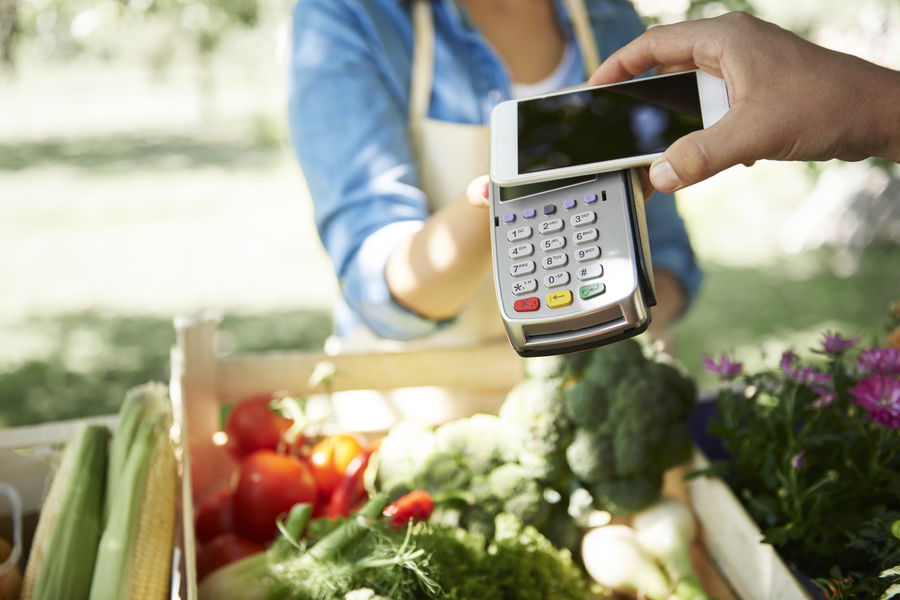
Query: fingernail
{"points": [[487, 189], [664, 177]]}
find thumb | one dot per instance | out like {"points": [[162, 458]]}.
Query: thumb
{"points": [[702, 154]]}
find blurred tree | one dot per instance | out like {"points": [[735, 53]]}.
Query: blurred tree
{"points": [[9, 27]]}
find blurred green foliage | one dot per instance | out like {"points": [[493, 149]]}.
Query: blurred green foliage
{"points": [[95, 357], [748, 308]]}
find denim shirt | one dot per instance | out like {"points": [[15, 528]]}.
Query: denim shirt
{"points": [[348, 85]]}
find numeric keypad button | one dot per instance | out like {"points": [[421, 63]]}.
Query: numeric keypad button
{"points": [[521, 251], [519, 233], [585, 236], [554, 261], [582, 219], [553, 244], [556, 279], [522, 268], [588, 253], [551, 226]]}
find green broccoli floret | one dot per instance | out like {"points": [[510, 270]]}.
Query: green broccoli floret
{"points": [[482, 442], [609, 364], [479, 516], [443, 472], [631, 417], [537, 408], [520, 494], [591, 456], [626, 496]]}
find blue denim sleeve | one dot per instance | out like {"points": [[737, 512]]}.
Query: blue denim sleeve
{"points": [[670, 248], [348, 127]]}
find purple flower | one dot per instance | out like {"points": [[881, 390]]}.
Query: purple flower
{"points": [[835, 344], [880, 395], [825, 399], [806, 375], [727, 368], [797, 461], [879, 360]]}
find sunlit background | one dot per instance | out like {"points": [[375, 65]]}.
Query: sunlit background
{"points": [[144, 173]]}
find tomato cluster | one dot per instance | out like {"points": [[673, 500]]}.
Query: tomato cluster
{"points": [[273, 474]]}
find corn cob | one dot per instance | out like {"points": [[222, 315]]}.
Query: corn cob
{"points": [[135, 554], [151, 562], [68, 532], [140, 402]]}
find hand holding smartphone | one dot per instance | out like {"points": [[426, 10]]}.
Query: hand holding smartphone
{"points": [[603, 128]]}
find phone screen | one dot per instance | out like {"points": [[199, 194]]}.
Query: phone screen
{"points": [[594, 125]]}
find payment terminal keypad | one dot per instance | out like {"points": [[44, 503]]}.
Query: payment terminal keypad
{"points": [[556, 246]]}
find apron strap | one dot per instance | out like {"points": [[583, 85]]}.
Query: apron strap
{"points": [[422, 75], [584, 35]]}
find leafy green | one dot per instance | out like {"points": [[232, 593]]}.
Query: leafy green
{"points": [[429, 561]]}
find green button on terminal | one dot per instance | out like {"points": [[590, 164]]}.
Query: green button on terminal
{"points": [[589, 291]]}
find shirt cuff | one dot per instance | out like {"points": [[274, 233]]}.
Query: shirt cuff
{"points": [[366, 291]]}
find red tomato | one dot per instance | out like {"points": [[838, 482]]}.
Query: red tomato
{"points": [[269, 484], [330, 458], [213, 516], [252, 425], [222, 550]]}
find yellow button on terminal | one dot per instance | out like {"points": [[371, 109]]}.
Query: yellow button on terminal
{"points": [[559, 299]]}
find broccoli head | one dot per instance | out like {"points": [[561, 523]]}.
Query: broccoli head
{"points": [[631, 415], [537, 408]]}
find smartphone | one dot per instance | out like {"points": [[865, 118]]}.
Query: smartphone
{"points": [[571, 262], [604, 128]]}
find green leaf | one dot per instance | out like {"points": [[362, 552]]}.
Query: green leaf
{"points": [[892, 591]]}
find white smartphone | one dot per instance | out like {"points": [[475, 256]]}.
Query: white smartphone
{"points": [[603, 128]]}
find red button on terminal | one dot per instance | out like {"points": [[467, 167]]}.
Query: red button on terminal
{"points": [[527, 305]]}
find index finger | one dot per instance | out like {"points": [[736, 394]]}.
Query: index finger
{"points": [[677, 44]]}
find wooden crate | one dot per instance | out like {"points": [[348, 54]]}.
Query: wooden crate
{"points": [[754, 570], [373, 390]]}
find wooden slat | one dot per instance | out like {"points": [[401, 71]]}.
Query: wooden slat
{"points": [[481, 369], [754, 570]]}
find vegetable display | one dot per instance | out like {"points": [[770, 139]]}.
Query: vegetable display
{"points": [[607, 421], [814, 455]]}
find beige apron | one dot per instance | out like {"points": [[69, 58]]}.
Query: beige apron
{"points": [[450, 156]]}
